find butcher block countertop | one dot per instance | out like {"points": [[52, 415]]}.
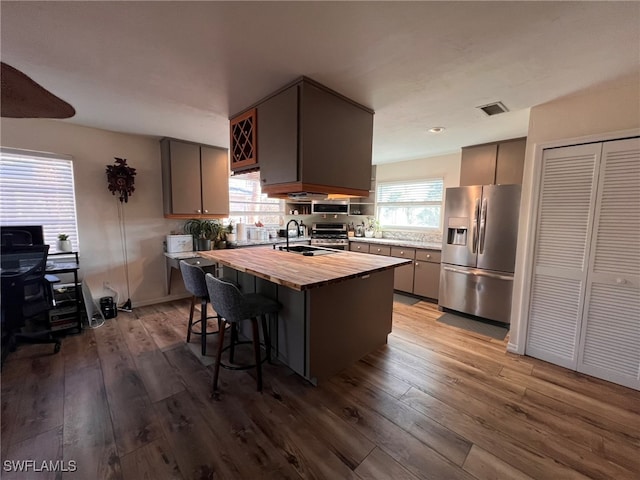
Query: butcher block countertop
{"points": [[300, 272]]}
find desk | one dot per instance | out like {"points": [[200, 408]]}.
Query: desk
{"points": [[173, 261], [67, 314]]}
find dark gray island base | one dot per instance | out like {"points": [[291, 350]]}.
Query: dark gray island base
{"points": [[327, 323]]}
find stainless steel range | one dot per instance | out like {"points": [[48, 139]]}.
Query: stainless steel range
{"points": [[330, 235]]}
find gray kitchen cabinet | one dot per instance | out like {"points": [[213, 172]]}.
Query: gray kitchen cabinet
{"points": [[510, 161], [195, 180], [311, 139], [426, 282], [498, 163], [359, 247], [421, 277], [478, 165], [403, 276], [278, 138], [379, 250]]}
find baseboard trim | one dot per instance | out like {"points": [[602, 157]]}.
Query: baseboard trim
{"points": [[168, 298], [513, 348]]}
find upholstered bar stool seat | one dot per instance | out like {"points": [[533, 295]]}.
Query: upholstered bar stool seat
{"points": [[234, 307], [196, 285]]}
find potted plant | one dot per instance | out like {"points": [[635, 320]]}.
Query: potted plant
{"points": [[369, 229], [64, 244], [202, 231], [230, 234], [377, 229], [217, 234]]}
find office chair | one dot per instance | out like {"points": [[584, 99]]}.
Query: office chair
{"points": [[26, 294]]}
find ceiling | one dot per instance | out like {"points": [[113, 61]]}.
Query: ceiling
{"points": [[181, 69]]}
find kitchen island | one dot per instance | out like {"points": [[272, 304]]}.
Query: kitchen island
{"points": [[336, 308]]}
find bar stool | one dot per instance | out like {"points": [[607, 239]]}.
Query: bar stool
{"points": [[194, 282], [233, 307]]}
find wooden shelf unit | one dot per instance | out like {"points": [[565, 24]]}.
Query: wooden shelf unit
{"points": [[243, 143]]}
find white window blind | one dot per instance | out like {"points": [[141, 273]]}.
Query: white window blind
{"points": [[37, 189], [414, 204], [247, 203]]}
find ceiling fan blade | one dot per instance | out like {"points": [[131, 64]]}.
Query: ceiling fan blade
{"points": [[24, 98]]}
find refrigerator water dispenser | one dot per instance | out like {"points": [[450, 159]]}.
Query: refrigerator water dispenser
{"points": [[457, 236], [457, 229]]}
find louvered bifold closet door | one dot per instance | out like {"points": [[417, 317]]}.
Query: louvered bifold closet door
{"points": [[564, 218], [610, 337]]}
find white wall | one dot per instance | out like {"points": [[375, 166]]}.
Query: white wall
{"points": [[445, 166], [97, 210], [596, 113]]}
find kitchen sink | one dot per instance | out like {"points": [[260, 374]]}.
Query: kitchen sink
{"points": [[308, 251]]}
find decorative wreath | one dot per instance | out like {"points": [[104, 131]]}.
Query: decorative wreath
{"points": [[120, 178]]}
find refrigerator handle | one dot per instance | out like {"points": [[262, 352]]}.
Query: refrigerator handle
{"points": [[483, 225], [478, 273], [476, 212]]}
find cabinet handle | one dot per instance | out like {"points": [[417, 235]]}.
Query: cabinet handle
{"points": [[198, 211], [206, 211], [264, 180], [417, 264], [401, 252], [428, 256], [378, 249]]}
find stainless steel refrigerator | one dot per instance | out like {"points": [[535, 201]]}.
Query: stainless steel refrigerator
{"points": [[479, 250]]}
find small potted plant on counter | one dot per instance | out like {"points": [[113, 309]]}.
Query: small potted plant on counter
{"points": [[369, 229], [202, 231], [217, 234], [230, 234], [64, 244], [377, 229]]}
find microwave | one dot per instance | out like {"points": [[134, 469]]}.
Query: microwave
{"points": [[332, 207]]}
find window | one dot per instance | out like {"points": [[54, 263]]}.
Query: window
{"points": [[247, 203], [415, 204], [37, 189]]}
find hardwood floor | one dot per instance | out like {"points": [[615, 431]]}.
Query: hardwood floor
{"points": [[130, 400]]}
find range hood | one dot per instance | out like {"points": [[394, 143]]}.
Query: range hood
{"points": [[306, 196], [309, 196], [313, 143]]}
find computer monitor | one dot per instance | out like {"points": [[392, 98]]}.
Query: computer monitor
{"points": [[22, 235]]}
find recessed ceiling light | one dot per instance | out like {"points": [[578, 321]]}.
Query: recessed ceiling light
{"points": [[436, 129]]}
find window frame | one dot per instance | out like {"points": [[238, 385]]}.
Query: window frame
{"points": [[429, 203], [239, 216], [50, 230]]}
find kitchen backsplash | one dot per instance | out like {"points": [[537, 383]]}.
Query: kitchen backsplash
{"points": [[428, 237]]}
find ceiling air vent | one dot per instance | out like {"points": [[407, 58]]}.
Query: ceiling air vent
{"points": [[493, 108]]}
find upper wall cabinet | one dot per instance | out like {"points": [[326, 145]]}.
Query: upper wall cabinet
{"points": [[244, 151], [195, 180], [498, 163], [312, 139]]}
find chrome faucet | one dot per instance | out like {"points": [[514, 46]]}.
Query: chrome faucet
{"points": [[287, 229]]}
